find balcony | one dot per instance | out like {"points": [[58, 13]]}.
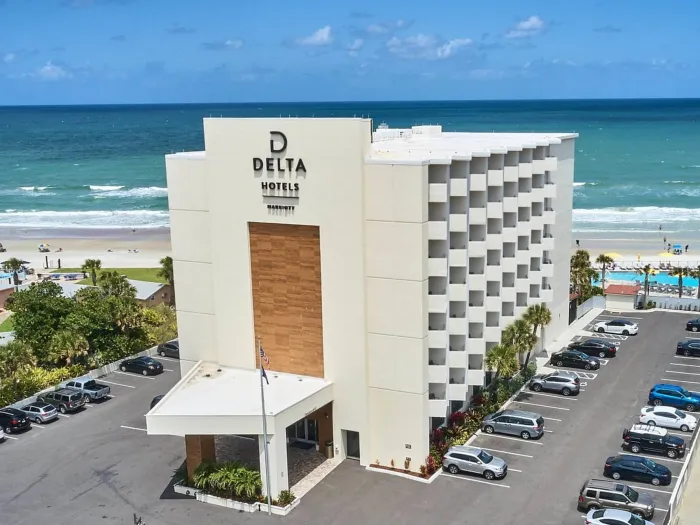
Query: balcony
{"points": [[537, 194], [458, 325], [509, 265], [476, 345], [524, 228], [548, 216], [510, 204], [437, 304], [510, 174], [457, 391], [475, 377], [458, 222], [477, 181], [547, 243], [495, 178], [494, 241], [494, 210], [476, 314], [458, 258], [550, 191], [535, 276], [476, 248], [458, 292], [458, 187], [548, 270], [477, 215], [521, 286], [538, 166], [547, 295], [437, 408], [437, 192], [437, 338], [525, 199], [536, 222], [494, 272], [510, 234], [492, 334], [437, 230], [493, 303], [437, 374], [551, 163], [508, 294], [525, 170], [437, 267], [458, 359]]}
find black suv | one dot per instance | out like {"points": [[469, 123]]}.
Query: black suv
{"points": [[65, 399], [170, 349], [693, 325], [575, 359], [13, 420], [647, 438], [596, 347]]}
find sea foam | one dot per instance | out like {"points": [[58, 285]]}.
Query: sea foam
{"points": [[149, 192], [85, 219], [636, 215]]}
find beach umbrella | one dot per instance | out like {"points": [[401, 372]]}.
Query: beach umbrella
{"points": [[614, 255]]}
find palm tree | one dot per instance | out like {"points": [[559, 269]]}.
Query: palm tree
{"points": [[537, 316], [15, 356], [695, 274], [646, 271], [604, 261], [92, 266], [581, 272], [680, 272], [112, 283], [67, 346], [13, 265], [502, 359], [166, 272]]}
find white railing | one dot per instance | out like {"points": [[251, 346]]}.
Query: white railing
{"points": [[597, 301], [679, 490]]}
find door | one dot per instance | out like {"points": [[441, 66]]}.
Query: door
{"points": [[304, 430], [471, 464], [502, 424], [352, 444]]}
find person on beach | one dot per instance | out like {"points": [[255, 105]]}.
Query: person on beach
{"points": [[686, 248], [664, 240], [578, 243]]}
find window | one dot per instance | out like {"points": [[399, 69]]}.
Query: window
{"points": [[598, 514], [590, 494], [70, 383], [485, 457], [470, 459], [666, 414]]}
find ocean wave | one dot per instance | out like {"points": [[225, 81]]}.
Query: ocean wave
{"points": [[636, 215], [85, 219], [149, 192], [33, 188], [579, 184], [104, 188], [683, 166]]}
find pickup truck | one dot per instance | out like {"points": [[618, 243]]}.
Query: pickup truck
{"points": [[90, 389]]}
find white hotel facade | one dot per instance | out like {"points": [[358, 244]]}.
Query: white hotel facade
{"points": [[376, 267]]}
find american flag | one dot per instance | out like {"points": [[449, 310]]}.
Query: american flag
{"points": [[263, 356]]}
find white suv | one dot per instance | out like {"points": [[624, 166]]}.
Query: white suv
{"points": [[668, 417], [617, 326]]}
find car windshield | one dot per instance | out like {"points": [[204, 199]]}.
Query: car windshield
{"points": [[684, 392], [148, 361], [680, 414], [649, 463], [90, 384], [581, 354], [636, 520], [632, 494], [485, 457], [76, 397]]}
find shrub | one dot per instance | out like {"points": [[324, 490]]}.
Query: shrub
{"points": [[431, 465], [285, 498]]}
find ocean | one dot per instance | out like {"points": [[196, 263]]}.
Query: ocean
{"points": [[637, 161]]}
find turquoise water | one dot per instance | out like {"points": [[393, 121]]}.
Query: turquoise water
{"points": [[637, 161], [660, 278]]}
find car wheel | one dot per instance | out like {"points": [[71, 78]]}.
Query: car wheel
{"points": [[62, 409], [671, 453], [8, 430], [453, 469], [638, 513], [636, 449], [694, 328], [690, 407], [593, 506], [587, 366], [601, 354], [601, 330], [488, 429], [559, 363], [685, 428], [657, 402], [525, 434], [651, 423], [87, 399], [488, 475], [655, 481], [625, 332], [162, 353], [537, 387], [38, 420], [686, 353], [122, 368], [145, 372], [616, 475], [566, 391]]}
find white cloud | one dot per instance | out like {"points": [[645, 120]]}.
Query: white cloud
{"points": [[9, 58], [51, 71], [528, 27], [425, 46], [486, 74], [354, 47], [223, 45], [321, 37], [386, 27]]}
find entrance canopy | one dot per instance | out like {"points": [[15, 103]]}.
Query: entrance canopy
{"points": [[216, 400]]}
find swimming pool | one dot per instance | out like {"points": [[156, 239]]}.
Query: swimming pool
{"points": [[660, 278]]}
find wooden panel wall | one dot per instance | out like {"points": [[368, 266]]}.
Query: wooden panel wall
{"points": [[286, 279]]}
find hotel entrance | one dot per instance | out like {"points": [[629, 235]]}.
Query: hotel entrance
{"points": [[304, 430]]}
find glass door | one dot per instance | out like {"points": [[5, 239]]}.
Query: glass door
{"points": [[352, 445], [303, 430]]}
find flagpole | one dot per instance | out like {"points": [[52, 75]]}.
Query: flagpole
{"points": [[267, 455]]}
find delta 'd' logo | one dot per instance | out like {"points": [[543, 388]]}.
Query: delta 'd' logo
{"points": [[279, 162]]}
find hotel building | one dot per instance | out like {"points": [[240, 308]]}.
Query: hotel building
{"points": [[375, 267]]}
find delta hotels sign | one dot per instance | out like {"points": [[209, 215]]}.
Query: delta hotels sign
{"points": [[283, 169]]}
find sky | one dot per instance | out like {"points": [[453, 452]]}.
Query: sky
{"points": [[186, 51]]}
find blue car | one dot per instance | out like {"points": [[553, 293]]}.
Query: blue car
{"points": [[674, 396]]}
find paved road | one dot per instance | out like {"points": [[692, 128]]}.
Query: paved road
{"points": [[89, 469]]}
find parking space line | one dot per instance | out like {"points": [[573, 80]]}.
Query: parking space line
{"points": [[568, 398], [683, 373], [118, 384], [168, 359], [167, 370], [477, 480], [548, 431], [545, 406], [11, 437], [514, 470], [694, 338], [63, 415], [504, 452], [135, 428], [619, 316], [134, 375], [110, 396], [37, 425], [659, 458], [552, 419], [683, 364], [512, 439], [679, 381], [652, 490], [657, 509], [684, 357]]}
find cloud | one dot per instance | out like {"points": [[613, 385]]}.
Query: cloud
{"points": [[386, 27], [47, 72], [354, 47], [423, 46], [607, 29], [320, 37], [177, 29], [8, 58], [529, 27], [118, 38], [223, 45]]}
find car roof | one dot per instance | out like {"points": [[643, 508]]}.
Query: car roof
{"points": [[66, 391], [649, 429], [563, 373], [12, 410], [616, 513], [462, 448], [520, 413], [668, 387], [38, 404]]}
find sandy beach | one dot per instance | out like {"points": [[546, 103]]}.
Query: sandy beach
{"points": [[649, 246], [116, 248]]}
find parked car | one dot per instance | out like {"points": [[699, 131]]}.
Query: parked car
{"points": [[617, 326], [474, 460], [2, 435], [64, 399], [693, 325], [647, 438], [156, 400], [688, 348], [13, 420], [596, 347], [597, 494], [515, 422], [674, 396], [170, 349], [668, 417], [637, 468], [562, 381], [90, 389], [575, 359], [40, 412], [614, 517], [141, 365]]}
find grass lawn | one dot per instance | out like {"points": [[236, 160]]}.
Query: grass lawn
{"points": [[7, 325], [138, 274]]}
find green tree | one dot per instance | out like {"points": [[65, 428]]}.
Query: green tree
{"points": [[15, 356], [518, 335], [92, 266], [502, 360], [695, 274], [13, 265], [112, 283], [167, 273], [646, 271], [160, 323], [538, 316], [38, 313], [68, 347], [582, 275], [604, 261], [680, 272]]}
